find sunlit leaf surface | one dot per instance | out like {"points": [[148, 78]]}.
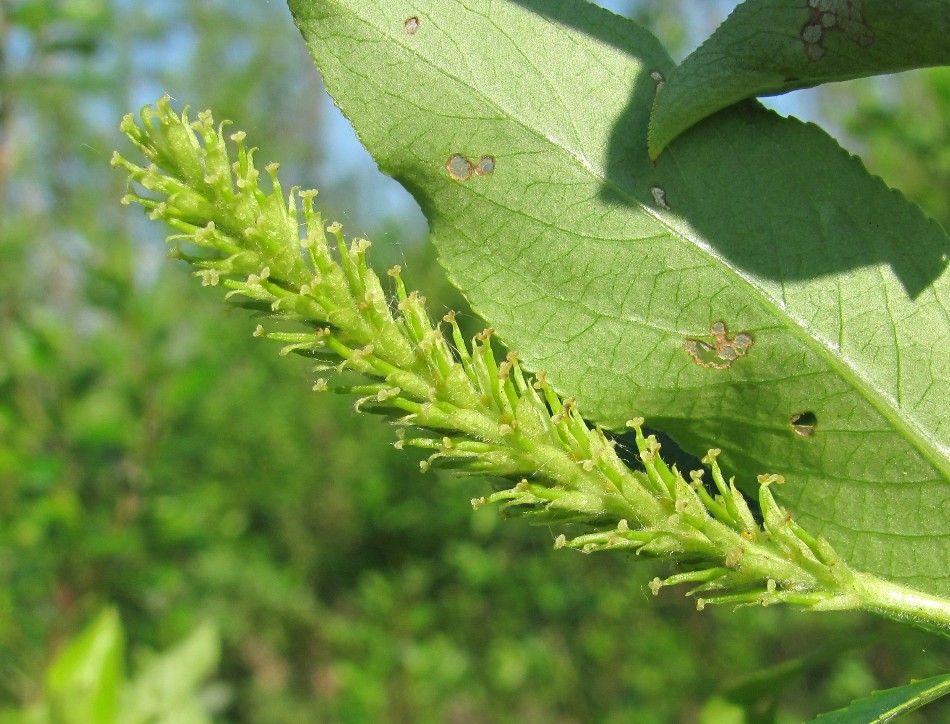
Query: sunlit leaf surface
{"points": [[755, 290]]}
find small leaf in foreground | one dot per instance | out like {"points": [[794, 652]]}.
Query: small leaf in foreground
{"points": [[85, 682], [167, 684]]}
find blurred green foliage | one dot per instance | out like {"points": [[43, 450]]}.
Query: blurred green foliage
{"points": [[900, 125], [155, 458], [87, 682]]}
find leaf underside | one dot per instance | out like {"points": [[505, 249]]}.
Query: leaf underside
{"points": [[767, 47], [520, 128]]}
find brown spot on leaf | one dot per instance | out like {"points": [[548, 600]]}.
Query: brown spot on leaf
{"points": [[461, 169], [723, 351], [411, 25], [742, 342], [485, 165], [825, 16]]}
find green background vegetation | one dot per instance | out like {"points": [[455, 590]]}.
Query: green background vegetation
{"points": [[154, 457]]}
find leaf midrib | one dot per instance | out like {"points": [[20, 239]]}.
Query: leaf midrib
{"points": [[884, 404]]}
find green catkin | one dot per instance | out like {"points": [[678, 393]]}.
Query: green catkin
{"points": [[473, 414]]}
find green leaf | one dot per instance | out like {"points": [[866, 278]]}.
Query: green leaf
{"points": [[83, 684], [767, 47], [754, 698], [887, 705], [611, 273], [37, 713], [166, 686]]}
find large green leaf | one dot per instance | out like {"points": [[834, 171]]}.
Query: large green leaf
{"points": [[773, 46], [888, 705], [520, 127]]}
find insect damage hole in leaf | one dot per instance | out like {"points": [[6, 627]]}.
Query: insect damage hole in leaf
{"points": [[411, 25], [804, 424], [461, 169], [723, 351], [659, 195]]}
